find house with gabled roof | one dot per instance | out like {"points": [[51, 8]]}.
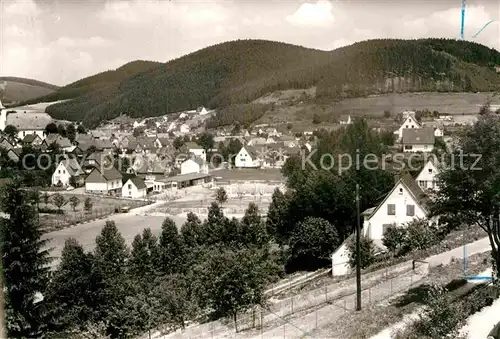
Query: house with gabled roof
{"points": [[68, 172], [15, 153], [194, 165], [247, 157], [5, 144], [32, 140], [418, 140], [195, 149], [409, 123], [106, 180], [427, 178], [404, 203], [134, 188]]}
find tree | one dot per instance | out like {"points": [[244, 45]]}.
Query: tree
{"points": [[252, 230], [468, 187], [24, 265], [61, 130], [88, 204], [221, 195], [51, 128], [144, 258], [206, 140], [311, 244], [11, 131], [192, 231], [81, 129], [71, 132], [109, 273], [367, 252], [46, 198], [177, 298], [387, 114], [59, 201], [74, 202], [231, 281], [178, 142], [276, 217], [171, 251], [217, 228], [70, 293], [289, 126], [316, 119]]}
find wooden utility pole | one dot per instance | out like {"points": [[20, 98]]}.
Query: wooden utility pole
{"points": [[358, 253]]}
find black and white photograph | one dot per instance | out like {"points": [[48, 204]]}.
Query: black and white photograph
{"points": [[250, 169]]}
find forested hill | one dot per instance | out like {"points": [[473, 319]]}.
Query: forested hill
{"points": [[241, 71], [98, 82]]}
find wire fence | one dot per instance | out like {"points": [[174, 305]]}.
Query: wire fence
{"points": [[317, 308], [71, 218]]}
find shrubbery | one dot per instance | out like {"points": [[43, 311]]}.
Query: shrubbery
{"points": [[367, 249], [446, 314], [48, 210], [415, 235]]}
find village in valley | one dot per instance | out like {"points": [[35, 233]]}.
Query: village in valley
{"points": [[139, 171], [164, 174]]}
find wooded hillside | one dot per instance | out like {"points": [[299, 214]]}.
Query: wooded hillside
{"points": [[240, 71]]}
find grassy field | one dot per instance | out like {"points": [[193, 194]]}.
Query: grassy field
{"points": [[247, 174], [101, 207], [302, 113], [19, 89]]}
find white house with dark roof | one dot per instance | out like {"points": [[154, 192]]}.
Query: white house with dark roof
{"points": [[104, 181], [26, 120], [404, 203], [194, 165], [409, 123], [247, 157], [33, 140], [195, 149], [68, 171], [427, 178], [134, 188], [418, 140]]}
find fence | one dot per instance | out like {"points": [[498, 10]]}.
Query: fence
{"points": [[318, 308], [69, 218]]}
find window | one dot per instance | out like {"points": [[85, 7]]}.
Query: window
{"points": [[400, 191], [425, 146], [129, 186], [410, 210], [406, 126], [59, 171], [391, 209], [422, 183], [430, 170], [64, 171], [130, 193], [408, 147]]}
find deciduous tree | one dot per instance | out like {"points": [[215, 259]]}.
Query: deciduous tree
{"points": [[470, 185]]}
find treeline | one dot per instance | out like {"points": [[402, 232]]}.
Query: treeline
{"points": [[243, 114], [209, 269], [240, 71], [97, 82]]}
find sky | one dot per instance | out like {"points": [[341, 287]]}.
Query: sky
{"points": [[61, 41]]}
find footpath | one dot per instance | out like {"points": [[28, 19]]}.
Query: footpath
{"points": [[309, 311]]}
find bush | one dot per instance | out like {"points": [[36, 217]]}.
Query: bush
{"points": [[48, 210], [394, 238], [367, 249], [446, 314], [415, 235]]}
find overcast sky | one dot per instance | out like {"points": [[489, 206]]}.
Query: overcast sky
{"points": [[63, 41]]}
